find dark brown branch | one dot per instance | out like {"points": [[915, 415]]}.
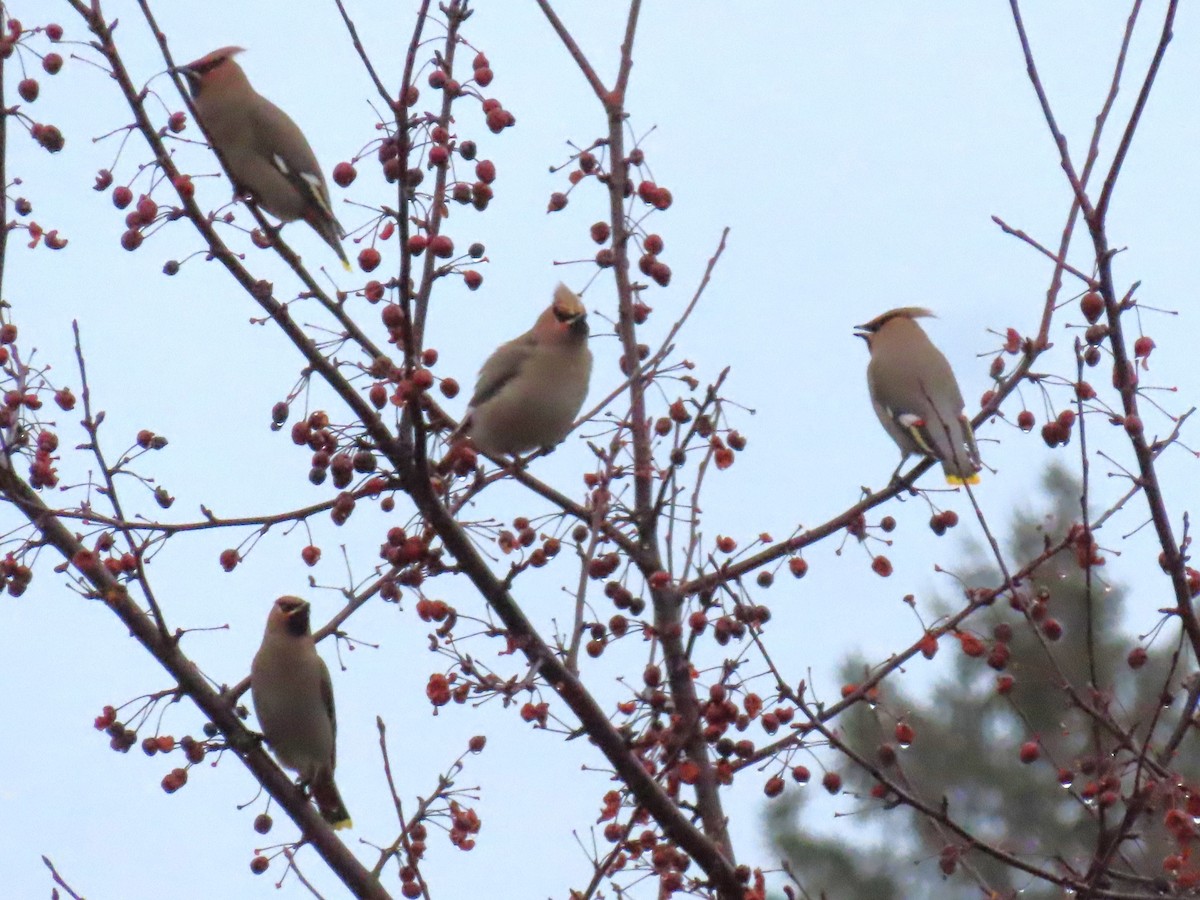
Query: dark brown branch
{"points": [[215, 706], [573, 48], [58, 879], [92, 427], [1135, 117], [647, 791], [1059, 140], [362, 54]]}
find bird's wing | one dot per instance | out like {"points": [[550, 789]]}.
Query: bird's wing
{"points": [[502, 367], [297, 163], [327, 702]]}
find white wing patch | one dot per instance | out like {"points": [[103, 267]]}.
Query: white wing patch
{"points": [[281, 164], [316, 188]]}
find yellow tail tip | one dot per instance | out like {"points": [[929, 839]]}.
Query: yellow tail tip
{"points": [[346, 265], [341, 824], [956, 479]]}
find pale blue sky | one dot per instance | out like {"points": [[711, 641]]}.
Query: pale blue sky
{"points": [[856, 151]]}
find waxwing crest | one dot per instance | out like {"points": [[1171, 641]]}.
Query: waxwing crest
{"points": [[567, 306], [903, 312], [195, 73], [210, 61]]}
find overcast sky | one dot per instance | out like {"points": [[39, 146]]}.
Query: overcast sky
{"points": [[857, 153]]}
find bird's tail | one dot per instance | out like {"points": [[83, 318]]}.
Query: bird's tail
{"points": [[963, 465], [331, 232], [329, 802]]}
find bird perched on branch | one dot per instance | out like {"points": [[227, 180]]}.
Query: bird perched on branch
{"points": [[265, 152], [293, 699], [531, 389], [916, 396]]}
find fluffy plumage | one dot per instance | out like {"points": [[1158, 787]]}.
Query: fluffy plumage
{"points": [[916, 395], [531, 388], [293, 699], [265, 152]]}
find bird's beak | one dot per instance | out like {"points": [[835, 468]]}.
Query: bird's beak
{"points": [[860, 331]]}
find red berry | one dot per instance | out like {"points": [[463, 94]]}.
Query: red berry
{"points": [[832, 782], [310, 555], [653, 244], [131, 239], [1030, 752], [600, 232], [558, 200], [798, 566], [368, 259], [1137, 657], [177, 121], [485, 171], [262, 823], [147, 209], [774, 786], [1025, 420], [259, 864], [971, 645], [122, 196], [497, 119], [54, 32], [472, 279], [344, 174], [1142, 347], [52, 62], [882, 566], [417, 244], [28, 89], [1092, 305], [441, 246], [229, 559], [483, 76], [439, 155]]}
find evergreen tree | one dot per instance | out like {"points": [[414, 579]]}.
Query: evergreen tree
{"points": [[974, 734]]}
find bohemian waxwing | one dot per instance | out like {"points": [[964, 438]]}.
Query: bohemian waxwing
{"points": [[293, 698], [531, 389], [916, 395], [265, 152]]}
